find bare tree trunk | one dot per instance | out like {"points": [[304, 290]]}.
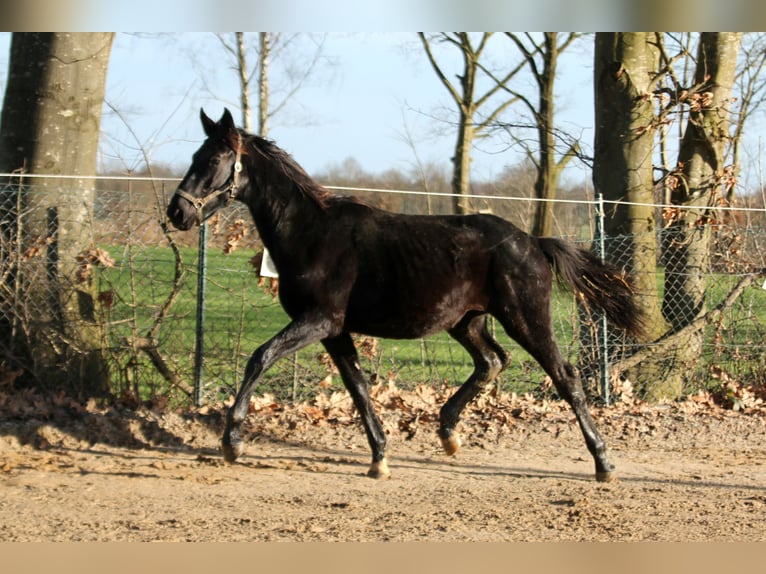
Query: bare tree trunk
{"points": [[547, 174], [244, 81], [625, 75], [468, 105], [264, 57], [541, 58], [263, 84], [698, 186], [297, 68], [50, 125], [461, 162]]}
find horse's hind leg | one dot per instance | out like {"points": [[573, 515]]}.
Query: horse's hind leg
{"points": [[570, 388], [489, 358], [532, 329], [344, 355]]}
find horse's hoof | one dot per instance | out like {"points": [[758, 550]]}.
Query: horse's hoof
{"points": [[379, 469], [232, 450], [451, 444], [606, 476]]}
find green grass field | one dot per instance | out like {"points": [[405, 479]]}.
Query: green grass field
{"points": [[239, 316]]}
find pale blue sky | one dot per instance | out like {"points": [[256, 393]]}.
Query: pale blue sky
{"points": [[379, 85]]}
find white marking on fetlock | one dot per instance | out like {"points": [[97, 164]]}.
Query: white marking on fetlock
{"points": [[379, 469], [452, 444]]}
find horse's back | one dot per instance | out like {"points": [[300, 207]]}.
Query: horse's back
{"points": [[421, 274]]}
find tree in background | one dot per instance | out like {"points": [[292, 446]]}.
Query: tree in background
{"points": [[469, 101], [298, 67], [541, 57], [50, 126], [702, 180], [638, 88], [751, 89], [625, 78]]}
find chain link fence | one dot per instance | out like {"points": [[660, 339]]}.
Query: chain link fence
{"points": [[144, 280]]}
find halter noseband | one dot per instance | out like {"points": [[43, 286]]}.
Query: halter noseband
{"points": [[199, 203]]}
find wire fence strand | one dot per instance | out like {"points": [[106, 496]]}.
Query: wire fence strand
{"points": [[144, 279]]}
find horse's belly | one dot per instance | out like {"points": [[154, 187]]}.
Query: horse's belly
{"points": [[411, 316]]}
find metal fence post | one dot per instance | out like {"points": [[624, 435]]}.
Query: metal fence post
{"points": [[603, 333], [200, 326]]}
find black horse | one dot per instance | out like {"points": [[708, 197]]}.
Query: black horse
{"points": [[346, 267]]}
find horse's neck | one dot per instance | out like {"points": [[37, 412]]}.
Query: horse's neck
{"points": [[283, 217]]}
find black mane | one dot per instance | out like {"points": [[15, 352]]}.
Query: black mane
{"points": [[284, 162]]}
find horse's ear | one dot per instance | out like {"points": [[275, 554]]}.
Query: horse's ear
{"points": [[226, 122], [208, 125]]}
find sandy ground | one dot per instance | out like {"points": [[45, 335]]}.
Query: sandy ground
{"points": [[687, 472]]}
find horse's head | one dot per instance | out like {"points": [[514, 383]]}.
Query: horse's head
{"points": [[214, 177]]}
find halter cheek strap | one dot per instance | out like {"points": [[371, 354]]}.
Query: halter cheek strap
{"points": [[199, 203]]}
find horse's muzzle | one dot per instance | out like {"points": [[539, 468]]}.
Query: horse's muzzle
{"points": [[181, 214]]}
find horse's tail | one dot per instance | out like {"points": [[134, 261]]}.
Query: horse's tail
{"points": [[597, 284]]}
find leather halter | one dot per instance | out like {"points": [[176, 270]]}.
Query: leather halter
{"points": [[199, 203]]}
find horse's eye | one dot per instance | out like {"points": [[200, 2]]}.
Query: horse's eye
{"points": [[214, 161]]}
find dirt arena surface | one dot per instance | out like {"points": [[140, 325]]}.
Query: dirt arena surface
{"points": [[688, 471]]}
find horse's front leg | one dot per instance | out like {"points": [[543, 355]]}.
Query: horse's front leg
{"points": [[345, 357], [291, 339]]}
